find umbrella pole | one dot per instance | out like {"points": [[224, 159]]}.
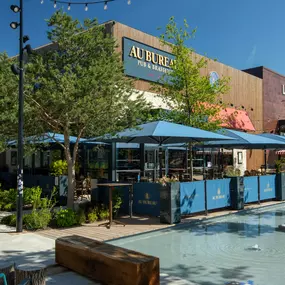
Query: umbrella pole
{"points": [[204, 174], [190, 153], [160, 160], [222, 162], [265, 162]]}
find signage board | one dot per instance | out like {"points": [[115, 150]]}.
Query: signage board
{"points": [[145, 62]]}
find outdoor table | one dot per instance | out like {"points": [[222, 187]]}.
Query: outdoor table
{"points": [[111, 187]]}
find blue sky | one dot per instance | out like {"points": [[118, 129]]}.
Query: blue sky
{"points": [[239, 33]]}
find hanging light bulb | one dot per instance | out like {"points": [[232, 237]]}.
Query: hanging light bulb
{"points": [[106, 5], [129, 2], [42, 1], [69, 7], [86, 7], [54, 5]]}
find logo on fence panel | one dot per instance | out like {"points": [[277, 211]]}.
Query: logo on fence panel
{"points": [[147, 200], [218, 196], [268, 189]]}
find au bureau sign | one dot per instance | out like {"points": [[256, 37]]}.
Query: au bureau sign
{"points": [[145, 62]]}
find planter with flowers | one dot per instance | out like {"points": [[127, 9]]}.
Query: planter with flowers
{"points": [[169, 200]]}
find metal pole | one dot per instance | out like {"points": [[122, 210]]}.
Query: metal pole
{"points": [[204, 166], [265, 161], [19, 223]]}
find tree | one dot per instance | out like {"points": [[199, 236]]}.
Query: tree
{"points": [[8, 101], [77, 87], [194, 101]]}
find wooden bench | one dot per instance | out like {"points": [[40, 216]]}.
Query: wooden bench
{"points": [[106, 263]]}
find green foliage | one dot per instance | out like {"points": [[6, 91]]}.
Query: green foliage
{"points": [[230, 171], [59, 167], [83, 92], [8, 199], [9, 220], [80, 217], [279, 165], [194, 101], [103, 213], [37, 219], [117, 202], [31, 196], [93, 215], [65, 218]]}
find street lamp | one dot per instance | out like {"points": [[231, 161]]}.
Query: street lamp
{"points": [[19, 70]]}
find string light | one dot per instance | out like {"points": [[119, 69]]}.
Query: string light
{"points": [[91, 2]]}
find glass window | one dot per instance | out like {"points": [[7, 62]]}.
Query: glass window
{"points": [[128, 159]]}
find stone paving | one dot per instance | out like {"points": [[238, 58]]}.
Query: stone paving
{"points": [[38, 246]]}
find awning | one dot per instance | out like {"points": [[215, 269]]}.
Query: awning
{"points": [[235, 119], [280, 152]]}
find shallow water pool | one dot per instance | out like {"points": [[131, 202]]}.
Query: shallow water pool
{"points": [[221, 250]]}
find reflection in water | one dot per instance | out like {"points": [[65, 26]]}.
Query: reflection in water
{"points": [[215, 254]]}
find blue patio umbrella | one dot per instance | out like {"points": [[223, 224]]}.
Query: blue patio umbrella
{"points": [[273, 136], [161, 133], [244, 140], [48, 138]]}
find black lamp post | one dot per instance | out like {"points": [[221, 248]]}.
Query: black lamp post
{"points": [[19, 70]]}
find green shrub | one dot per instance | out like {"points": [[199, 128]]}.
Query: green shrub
{"points": [[80, 217], [9, 207], [9, 220], [32, 196], [93, 216], [117, 202], [8, 197], [104, 214], [37, 219], [59, 167], [65, 218]]}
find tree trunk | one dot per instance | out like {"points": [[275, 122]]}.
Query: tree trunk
{"points": [[9, 271], [35, 272], [71, 183]]}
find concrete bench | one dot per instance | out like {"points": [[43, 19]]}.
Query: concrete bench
{"points": [[106, 263]]}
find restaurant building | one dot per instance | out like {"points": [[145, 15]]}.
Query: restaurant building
{"points": [[254, 104], [273, 107], [146, 59]]}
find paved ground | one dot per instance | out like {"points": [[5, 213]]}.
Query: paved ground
{"points": [[136, 225], [30, 247]]}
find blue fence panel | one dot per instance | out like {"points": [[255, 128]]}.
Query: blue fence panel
{"points": [[218, 193], [146, 199], [250, 189], [267, 187], [192, 197]]}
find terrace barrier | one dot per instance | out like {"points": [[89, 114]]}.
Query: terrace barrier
{"points": [[250, 189], [192, 197], [218, 193], [267, 187]]}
